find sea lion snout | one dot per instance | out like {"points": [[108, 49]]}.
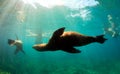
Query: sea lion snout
{"points": [[34, 46], [39, 47]]}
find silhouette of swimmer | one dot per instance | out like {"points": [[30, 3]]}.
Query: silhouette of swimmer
{"points": [[31, 34], [17, 43], [112, 30], [66, 41]]}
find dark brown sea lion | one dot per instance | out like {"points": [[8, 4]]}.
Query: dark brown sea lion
{"points": [[67, 40]]}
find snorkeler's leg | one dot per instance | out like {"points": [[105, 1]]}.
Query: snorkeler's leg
{"points": [[113, 33]]}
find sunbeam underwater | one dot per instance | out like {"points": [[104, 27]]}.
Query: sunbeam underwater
{"points": [[25, 25]]}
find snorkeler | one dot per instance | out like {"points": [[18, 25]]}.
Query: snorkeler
{"points": [[112, 29], [31, 34], [17, 43]]}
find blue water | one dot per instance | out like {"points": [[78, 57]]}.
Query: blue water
{"points": [[17, 18]]}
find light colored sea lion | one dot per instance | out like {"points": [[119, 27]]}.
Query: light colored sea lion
{"points": [[17, 43], [66, 41]]}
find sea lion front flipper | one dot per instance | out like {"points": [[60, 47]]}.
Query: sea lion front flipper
{"points": [[17, 37], [71, 50], [58, 32]]}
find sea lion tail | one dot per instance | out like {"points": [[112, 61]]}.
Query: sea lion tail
{"points": [[100, 39]]}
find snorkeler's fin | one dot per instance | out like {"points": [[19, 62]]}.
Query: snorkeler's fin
{"points": [[71, 50]]}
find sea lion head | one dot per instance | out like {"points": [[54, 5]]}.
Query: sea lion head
{"points": [[10, 41], [40, 47]]}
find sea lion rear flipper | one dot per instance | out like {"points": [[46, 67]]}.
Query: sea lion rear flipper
{"points": [[19, 49], [58, 32], [100, 39], [71, 50], [23, 51], [16, 51]]}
